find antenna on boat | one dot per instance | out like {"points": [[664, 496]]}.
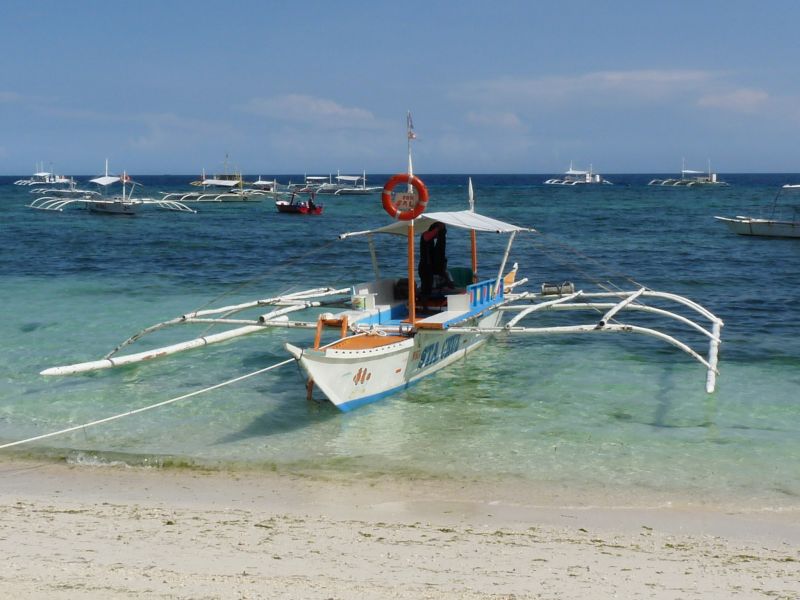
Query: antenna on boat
{"points": [[412, 308], [473, 236], [411, 136]]}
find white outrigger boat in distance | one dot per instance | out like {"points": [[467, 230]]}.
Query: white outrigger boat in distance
{"points": [[103, 203], [386, 337], [574, 176], [42, 177], [691, 178]]}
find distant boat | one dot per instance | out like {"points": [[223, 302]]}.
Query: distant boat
{"points": [[71, 190], [577, 177], [355, 185], [118, 204], [267, 186], [315, 183], [340, 185], [42, 177], [776, 225], [299, 207], [691, 178], [227, 187]]}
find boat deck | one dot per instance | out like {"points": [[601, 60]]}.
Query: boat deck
{"points": [[365, 342]]}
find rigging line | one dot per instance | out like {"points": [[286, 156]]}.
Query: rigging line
{"points": [[775, 203], [267, 273], [584, 256], [578, 269], [146, 408]]}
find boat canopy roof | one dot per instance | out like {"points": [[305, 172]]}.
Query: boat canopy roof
{"points": [[572, 171], [349, 177], [463, 219], [105, 180]]}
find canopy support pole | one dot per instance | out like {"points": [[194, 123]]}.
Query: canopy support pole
{"points": [[412, 280], [374, 256], [474, 239], [503, 263]]}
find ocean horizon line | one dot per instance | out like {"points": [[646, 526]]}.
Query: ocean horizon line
{"points": [[427, 174]]}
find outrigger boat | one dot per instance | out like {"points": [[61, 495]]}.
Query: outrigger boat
{"points": [[70, 191], [781, 222], [578, 177], [42, 177], [119, 204], [218, 188], [386, 337], [691, 178], [355, 185]]}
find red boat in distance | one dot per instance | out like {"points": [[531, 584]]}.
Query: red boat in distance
{"points": [[299, 207]]}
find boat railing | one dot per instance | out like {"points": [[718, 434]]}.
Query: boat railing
{"points": [[483, 294]]}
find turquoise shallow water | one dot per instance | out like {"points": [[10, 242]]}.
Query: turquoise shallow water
{"points": [[602, 412]]}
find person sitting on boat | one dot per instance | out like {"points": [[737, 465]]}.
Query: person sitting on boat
{"points": [[441, 276], [433, 260], [311, 204]]}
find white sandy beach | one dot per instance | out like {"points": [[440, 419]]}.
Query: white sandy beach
{"points": [[113, 532]]}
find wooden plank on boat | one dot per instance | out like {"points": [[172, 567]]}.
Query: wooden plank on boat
{"points": [[442, 319], [366, 342]]}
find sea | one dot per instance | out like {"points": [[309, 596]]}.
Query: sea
{"points": [[583, 414]]}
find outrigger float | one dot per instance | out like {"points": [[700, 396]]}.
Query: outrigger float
{"points": [[387, 337]]}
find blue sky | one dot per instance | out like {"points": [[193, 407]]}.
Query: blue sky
{"points": [[501, 87]]}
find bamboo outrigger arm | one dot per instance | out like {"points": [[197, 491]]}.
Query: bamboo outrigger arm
{"points": [[293, 300], [276, 318], [627, 302]]}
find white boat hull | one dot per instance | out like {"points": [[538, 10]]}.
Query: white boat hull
{"points": [[762, 227], [113, 208], [350, 378]]}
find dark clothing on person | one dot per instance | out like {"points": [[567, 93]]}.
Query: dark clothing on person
{"points": [[432, 258]]}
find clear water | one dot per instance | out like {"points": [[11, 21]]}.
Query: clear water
{"points": [[607, 413]]}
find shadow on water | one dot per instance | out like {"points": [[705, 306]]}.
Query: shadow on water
{"points": [[291, 414], [665, 403], [290, 410]]}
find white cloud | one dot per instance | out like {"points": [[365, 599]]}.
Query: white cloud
{"points": [[741, 100], [9, 97], [308, 109], [501, 120], [168, 129], [146, 130], [647, 83]]}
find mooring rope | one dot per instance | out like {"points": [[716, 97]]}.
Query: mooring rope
{"points": [[146, 408]]}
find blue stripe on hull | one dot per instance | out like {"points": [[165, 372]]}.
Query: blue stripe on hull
{"points": [[352, 404], [348, 406]]}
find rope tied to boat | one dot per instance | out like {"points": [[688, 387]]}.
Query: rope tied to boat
{"points": [[146, 408]]}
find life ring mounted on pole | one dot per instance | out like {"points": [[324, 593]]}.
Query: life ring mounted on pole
{"points": [[404, 206]]}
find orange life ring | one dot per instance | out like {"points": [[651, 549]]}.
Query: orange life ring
{"points": [[394, 211]]}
